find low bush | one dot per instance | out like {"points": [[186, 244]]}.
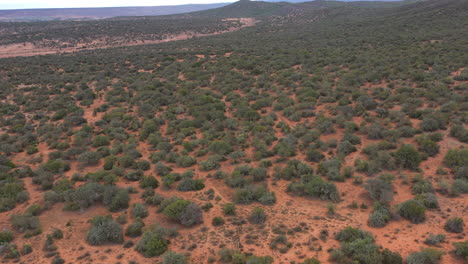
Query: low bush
{"points": [[172, 257], [135, 229], [6, 236], [461, 250], [254, 193], [380, 216], [454, 225], [104, 230], [413, 210], [434, 240], [139, 211], [229, 209], [425, 256], [357, 246], [152, 244], [217, 221], [257, 216], [184, 212], [408, 157]]}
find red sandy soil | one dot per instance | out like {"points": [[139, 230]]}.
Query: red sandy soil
{"points": [[30, 49], [290, 211]]}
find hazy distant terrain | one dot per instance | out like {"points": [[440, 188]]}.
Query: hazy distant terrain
{"points": [[99, 13]]}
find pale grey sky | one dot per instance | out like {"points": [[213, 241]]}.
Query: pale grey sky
{"points": [[22, 4]]}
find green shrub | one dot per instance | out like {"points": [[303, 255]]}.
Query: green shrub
{"points": [[135, 228], [26, 223], [257, 216], [189, 184], [408, 157], [217, 221], [455, 158], [184, 212], [425, 256], [380, 216], [310, 261], [229, 209], [379, 190], [454, 225], [139, 211], [152, 244], [461, 250], [104, 230], [148, 182], [421, 186], [254, 193], [174, 258], [413, 210], [434, 240], [6, 236], [357, 246], [101, 140], [429, 200], [26, 249]]}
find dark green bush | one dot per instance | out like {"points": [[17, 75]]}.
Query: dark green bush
{"points": [[454, 225], [413, 210], [135, 228], [257, 216], [6, 236], [229, 209], [152, 244], [148, 182], [408, 157], [217, 221]]}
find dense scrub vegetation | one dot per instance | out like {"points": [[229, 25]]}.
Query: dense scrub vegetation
{"points": [[321, 102]]}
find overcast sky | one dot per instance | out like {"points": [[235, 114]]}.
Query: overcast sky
{"points": [[24, 4]]}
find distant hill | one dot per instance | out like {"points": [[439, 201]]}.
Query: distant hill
{"points": [[246, 8], [99, 13]]}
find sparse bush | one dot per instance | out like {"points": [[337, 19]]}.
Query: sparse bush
{"points": [[174, 258], [456, 158], [461, 250], [434, 240], [454, 225], [217, 221], [135, 228], [257, 216], [139, 211], [380, 216], [425, 256], [229, 209], [6, 236], [104, 230], [379, 190]]}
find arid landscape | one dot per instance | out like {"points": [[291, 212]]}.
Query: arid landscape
{"points": [[253, 133]]}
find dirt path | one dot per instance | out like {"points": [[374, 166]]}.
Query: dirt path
{"points": [[29, 49]]}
